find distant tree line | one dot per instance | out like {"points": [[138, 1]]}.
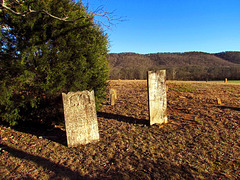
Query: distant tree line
{"points": [[181, 73], [203, 73], [179, 66]]}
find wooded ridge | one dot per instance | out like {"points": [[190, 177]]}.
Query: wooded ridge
{"points": [[180, 66]]}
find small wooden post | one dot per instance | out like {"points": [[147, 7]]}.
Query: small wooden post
{"points": [[219, 102], [226, 80], [113, 96]]}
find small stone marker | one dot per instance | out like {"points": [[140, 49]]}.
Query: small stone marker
{"points": [[80, 118], [113, 96], [157, 97]]}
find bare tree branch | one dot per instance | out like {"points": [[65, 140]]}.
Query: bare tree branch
{"points": [[3, 6], [109, 16], [98, 12]]}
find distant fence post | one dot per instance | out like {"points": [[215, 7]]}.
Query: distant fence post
{"points": [[80, 118], [157, 97]]}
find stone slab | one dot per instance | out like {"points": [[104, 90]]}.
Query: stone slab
{"points": [[157, 97], [80, 118]]}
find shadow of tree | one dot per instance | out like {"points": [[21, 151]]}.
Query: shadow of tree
{"points": [[164, 169], [122, 118], [52, 133], [59, 170]]}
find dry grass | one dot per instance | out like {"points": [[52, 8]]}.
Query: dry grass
{"points": [[201, 140]]}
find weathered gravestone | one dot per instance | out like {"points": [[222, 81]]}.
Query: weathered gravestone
{"points": [[80, 118], [157, 97]]}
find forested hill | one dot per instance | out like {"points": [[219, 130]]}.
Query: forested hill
{"points": [[232, 56], [175, 59], [134, 66]]}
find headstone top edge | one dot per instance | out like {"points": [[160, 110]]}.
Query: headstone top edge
{"points": [[156, 71], [78, 92]]}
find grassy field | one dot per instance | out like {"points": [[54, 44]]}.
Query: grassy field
{"points": [[200, 141]]}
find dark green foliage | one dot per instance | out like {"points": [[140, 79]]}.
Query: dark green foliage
{"points": [[41, 57]]}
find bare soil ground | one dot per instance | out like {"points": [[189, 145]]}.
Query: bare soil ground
{"points": [[200, 141]]}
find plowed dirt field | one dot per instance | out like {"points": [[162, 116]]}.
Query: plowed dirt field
{"points": [[200, 141]]}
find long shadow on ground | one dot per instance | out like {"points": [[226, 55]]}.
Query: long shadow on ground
{"points": [[122, 118], [45, 131], [166, 171], [59, 170], [228, 107]]}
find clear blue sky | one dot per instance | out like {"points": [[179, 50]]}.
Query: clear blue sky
{"points": [[153, 26]]}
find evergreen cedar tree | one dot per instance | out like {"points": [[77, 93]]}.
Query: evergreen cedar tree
{"points": [[41, 57]]}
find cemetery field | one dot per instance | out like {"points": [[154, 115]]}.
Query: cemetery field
{"points": [[200, 141]]}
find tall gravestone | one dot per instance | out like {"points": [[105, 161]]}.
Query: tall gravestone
{"points": [[80, 118], [157, 97]]}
